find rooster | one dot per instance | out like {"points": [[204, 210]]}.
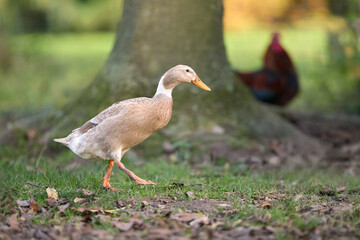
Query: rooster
{"points": [[277, 81]]}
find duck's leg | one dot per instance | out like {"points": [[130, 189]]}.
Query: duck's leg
{"points": [[132, 175], [106, 178]]}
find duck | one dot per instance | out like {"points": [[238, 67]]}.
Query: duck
{"points": [[125, 124]]}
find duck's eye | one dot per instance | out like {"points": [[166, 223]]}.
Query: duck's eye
{"points": [[187, 70]]}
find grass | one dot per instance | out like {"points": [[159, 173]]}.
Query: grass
{"points": [[50, 69], [243, 189]]}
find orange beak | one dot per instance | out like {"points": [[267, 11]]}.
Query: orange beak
{"points": [[200, 84]]}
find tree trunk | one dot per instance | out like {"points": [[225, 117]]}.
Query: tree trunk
{"points": [[155, 35]]}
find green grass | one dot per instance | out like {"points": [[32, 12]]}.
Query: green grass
{"points": [[174, 180], [50, 69]]}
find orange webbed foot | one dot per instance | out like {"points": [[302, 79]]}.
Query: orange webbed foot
{"points": [[108, 186], [143, 182]]}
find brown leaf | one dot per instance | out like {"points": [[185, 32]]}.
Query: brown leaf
{"points": [[126, 226], [185, 217], [51, 201], [120, 204], [87, 192], [62, 201], [341, 189], [33, 206], [163, 233], [13, 222], [266, 205], [123, 226], [52, 193], [91, 210], [199, 222]]}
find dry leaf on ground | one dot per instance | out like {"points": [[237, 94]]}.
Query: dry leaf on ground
{"points": [[190, 195], [185, 216], [87, 192], [52, 193], [80, 200], [13, 222], [34, 207], [126, 226]]}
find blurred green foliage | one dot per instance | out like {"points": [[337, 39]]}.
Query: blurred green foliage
{"points": [[60, 16]]}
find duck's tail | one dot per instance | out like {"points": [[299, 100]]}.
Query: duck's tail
{"points": [[64, 141]]}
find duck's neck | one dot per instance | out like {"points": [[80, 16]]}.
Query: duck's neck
{"points": [[162, 90]]}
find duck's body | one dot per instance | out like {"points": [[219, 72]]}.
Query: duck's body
{"points": [[127, 123], [106, 134]]}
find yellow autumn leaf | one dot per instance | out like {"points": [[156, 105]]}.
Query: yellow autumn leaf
{"points": [[52, 193], [76, 200]]}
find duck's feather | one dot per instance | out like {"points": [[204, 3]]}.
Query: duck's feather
{"points": [[120, 108]]}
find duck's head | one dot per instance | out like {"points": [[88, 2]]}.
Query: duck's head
{"points": [[176, 75]]}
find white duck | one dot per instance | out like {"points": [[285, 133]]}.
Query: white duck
{"points": [[111, 133]]}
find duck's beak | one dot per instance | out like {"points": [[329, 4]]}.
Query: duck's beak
{"points": [[200, 84]]}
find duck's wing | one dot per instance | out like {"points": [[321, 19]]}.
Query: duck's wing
{"points": [[117, 108]]}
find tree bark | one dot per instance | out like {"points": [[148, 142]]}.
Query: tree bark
{"points": [[155, 35]]}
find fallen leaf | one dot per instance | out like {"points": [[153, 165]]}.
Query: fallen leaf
{"points": [[13, 222], [51, 201], [298, 197], [111, 211], [145, 203], [199, 222], [123, 226], [62, 201], [274, 161], [341, 189], [218, 130], [161, 206], [87, 192], [81, 201], [34, 207], [190, 195], [163, 233], [266, 205], [52, 193], [62, 208], [120, 204], [23, 203], [185, 217], [134, 223], [77, 200], [223, 205]]}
